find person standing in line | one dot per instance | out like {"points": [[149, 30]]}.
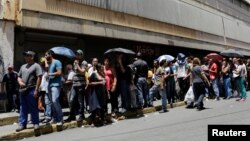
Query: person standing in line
{"points": [[141, 74], [123, 81], [214, 77], [226, 78], [29, 79], [54, 87], [69, 80], [182, 68], [170, 84], [44, 90], [93, 67], [78, 87], [248, 74], [11, 86], [163, 83], [97, 98], [111, 81], [156, 88], [239, 79]]}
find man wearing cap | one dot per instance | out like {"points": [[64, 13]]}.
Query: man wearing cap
{"points": [[29, 79], [78, 87], [11, 87]]}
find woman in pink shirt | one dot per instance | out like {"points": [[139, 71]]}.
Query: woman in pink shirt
{"points": [[214, 77], [111, 80]]}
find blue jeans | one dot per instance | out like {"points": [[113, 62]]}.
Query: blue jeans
{"points": [[152, 92], [28, 105], [163, 94], [48, 105], [54, 93], [215, 84], [77, 96], [142, 94], [227, 86], [123, 89]]}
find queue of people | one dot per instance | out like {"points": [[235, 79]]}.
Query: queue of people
{"points": [[123, 83]]}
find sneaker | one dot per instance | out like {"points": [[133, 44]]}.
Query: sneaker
{"points": [[59, 126], [37, 130], [81, 118], [36, 126], [46, 120], [52, 121], [206, 99], [69, 119], [242, 100], [163, 111], [238, 99], [123, 110], [217, 99], [20, 128]]}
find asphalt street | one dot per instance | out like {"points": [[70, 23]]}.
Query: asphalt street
{"points": [[179, 124]]}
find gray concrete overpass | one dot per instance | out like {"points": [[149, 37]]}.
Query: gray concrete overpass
{"points": [[212, 25]]}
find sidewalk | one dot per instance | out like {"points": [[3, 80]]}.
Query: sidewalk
{"points": [[7, 132]]}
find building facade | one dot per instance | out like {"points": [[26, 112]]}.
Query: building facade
{"points": [[153, 27]]}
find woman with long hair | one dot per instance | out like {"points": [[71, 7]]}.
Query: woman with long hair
{"points": [[239, 79], [111, 81], [226, 78], [198, 80], [214, 71], [97, 98]]}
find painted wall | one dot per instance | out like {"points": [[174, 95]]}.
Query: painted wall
{"points": [[6, 45]]}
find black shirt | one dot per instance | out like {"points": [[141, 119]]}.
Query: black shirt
{"points": [[11, 81], [141, 67]]}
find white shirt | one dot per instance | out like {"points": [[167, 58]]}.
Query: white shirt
{"points": [[44, 83], [70, 76], [181, 70]]}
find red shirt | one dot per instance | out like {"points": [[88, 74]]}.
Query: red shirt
{"points": [[109, 77], [213, 75]]}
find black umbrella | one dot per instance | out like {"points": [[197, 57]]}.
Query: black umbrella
{"points": [[120, 50], [231, 53]]}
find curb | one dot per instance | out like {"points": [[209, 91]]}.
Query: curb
{"points": [[46, 129], [8, 120]]}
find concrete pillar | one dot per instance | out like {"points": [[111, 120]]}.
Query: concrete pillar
{"points": [[6, 45]]}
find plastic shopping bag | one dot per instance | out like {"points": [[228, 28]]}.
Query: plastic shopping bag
{"points": [[189, 97]]}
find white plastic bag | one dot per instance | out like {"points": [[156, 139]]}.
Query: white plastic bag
{"points": [[189, 97]]}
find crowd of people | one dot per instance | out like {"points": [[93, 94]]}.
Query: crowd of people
{"points": [[126, 85]]}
